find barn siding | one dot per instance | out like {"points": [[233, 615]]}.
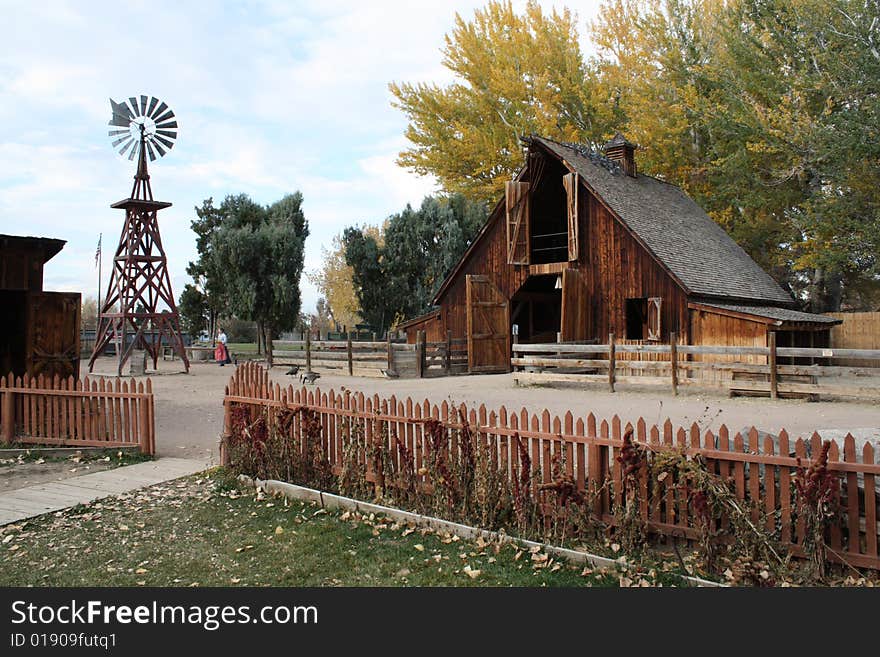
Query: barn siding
{"points": [[710, 328], [616, 267]]}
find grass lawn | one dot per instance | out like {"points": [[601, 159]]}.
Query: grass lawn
{"points": [[201, 531]]}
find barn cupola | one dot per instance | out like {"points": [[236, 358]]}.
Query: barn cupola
{"points": [[622, 151]]}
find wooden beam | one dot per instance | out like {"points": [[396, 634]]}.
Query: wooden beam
{"points": [[774, 374], [673, 359], [611, 361]]}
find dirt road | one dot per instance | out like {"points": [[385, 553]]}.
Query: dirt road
{"points": [[189, 411]]}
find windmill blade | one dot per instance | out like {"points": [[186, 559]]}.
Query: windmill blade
{"points": [[120, 140], [134, 151], [121, 114], [165, 117], [150, 151], [124, 150], [134, 105], [167, 124], [113, 133], [153, 102], [169, 144], [143, 105], [159, 148], [162, 107], [171, 134]]}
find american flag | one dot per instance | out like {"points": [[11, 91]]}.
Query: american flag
{"points": [[98, 251]]}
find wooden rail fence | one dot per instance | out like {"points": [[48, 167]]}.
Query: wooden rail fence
{"points": [[84, 413], [760, 470], [419, 360], [672, 365]]}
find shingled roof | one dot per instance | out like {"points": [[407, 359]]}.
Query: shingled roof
{"points": [[695, 249], [775, 313]]}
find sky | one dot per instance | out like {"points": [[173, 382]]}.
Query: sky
{"points": [[271, 97]]}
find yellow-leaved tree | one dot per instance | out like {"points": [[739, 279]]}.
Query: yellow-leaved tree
{"points": [[334, 282], [515, 75]]}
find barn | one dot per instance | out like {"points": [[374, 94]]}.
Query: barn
{"points": [[40, 330], [583, 245]]}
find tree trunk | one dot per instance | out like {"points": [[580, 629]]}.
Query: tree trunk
{"points": [[267, 340], [259, 338], [817, 290]]}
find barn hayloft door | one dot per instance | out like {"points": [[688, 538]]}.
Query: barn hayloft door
{"points": [[488, 322], [516, 198]]}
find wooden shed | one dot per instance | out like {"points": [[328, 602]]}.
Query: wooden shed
{"points": [[583, 245], [40, 331]]}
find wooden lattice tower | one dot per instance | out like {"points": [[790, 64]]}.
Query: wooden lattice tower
{"points": [[139, 283]]}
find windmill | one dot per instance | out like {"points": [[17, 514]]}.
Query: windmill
{"points": [[142, 127]]}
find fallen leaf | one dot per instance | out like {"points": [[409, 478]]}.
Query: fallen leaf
{"points": [[471, 572], [141, 571], [279, 530], [419, 547]]}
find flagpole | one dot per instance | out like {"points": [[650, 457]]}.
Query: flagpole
{"points": [[99, 283]]}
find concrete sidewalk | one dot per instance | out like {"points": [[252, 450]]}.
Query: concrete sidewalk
{"points": [[36, 500]]}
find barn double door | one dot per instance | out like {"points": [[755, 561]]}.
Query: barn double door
{"points": [[52, 342], [488, 326]]}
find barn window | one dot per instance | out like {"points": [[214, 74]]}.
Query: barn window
{"points": [[643, 318], [636, 318]]}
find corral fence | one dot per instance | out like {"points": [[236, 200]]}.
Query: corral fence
{"points": [[760, 469], [393, 358], [85, 413], [674, 365]]}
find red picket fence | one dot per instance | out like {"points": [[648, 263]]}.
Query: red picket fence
{"points": [[760, 473], [85, 413]]}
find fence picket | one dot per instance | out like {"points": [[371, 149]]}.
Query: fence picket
{"points": [[870, 504]]}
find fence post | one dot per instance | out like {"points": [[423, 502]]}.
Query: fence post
{"points": [[8, 417], [374, 335], [611, 361], [144, 417], [771, 341], [309, 351], [420, 354], [673, 358], [227, 431], [350, 363], [389, 367], [447, 361]]}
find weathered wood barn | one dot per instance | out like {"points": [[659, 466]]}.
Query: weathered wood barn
{"points": [[583, 245], [40, 330]]}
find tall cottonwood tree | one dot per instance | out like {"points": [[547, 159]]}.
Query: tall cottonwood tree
{"points": [[397, 278], [515, 74], [260, 250], [334, 281]]}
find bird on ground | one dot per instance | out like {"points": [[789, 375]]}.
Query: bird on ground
{"points": [[309, 377], [292, 371], [390, 374]]}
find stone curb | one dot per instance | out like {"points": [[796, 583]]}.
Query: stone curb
{"points": [[331, 501], [11, 453]]}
